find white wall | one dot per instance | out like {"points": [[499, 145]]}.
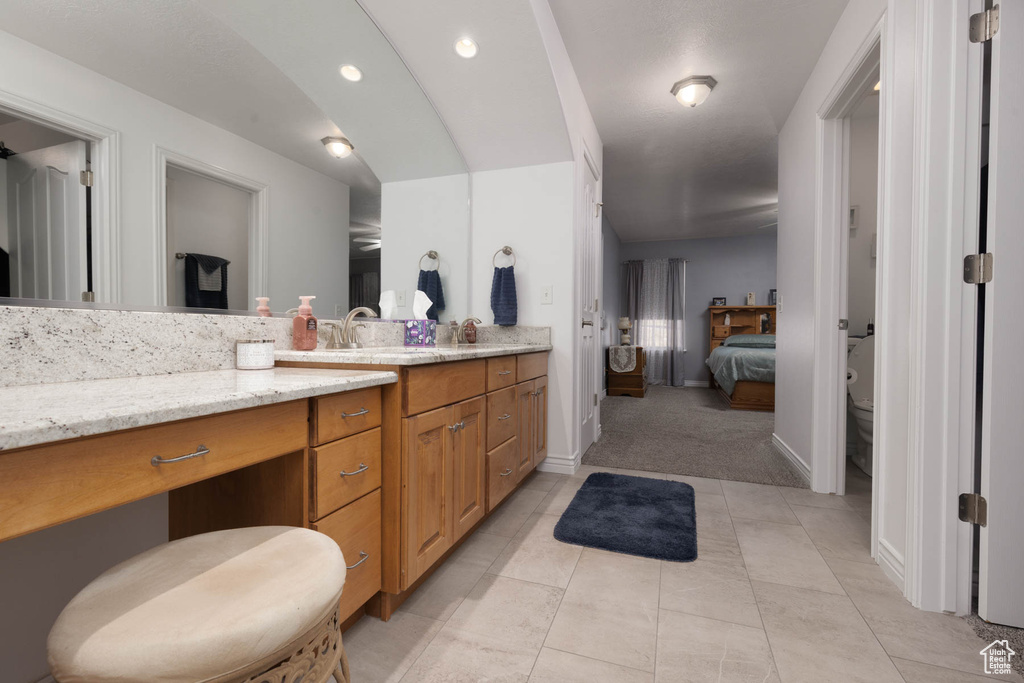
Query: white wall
{"points": [[864, 195], [531, 210], [417, 216], [308, 211]]}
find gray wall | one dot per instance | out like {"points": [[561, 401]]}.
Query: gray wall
{"points": [[718, 266]]}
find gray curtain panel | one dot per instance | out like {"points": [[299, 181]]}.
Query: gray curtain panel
{"points": [[656, 301], [633, 281]]}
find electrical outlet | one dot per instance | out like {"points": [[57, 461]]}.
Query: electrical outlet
{"points": [[400, 297], [546, 295]]}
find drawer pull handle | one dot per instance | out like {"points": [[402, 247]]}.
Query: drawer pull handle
{"points": [[504, 372], [362, 554], [505, 416], [362, 468], [200, 450], [507, 472], [363, 411]]}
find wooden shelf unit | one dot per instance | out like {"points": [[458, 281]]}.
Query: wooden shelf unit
{"points": [[742, 320]]}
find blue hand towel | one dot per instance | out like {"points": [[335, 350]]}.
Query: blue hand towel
{"points": [[503, 296], [430, 284]]}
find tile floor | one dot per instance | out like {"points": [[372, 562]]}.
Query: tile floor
{"points": [[784, 589]]}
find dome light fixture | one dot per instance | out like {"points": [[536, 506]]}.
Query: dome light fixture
{"points": [[351, 73], [338, 147], [466, 48], [693, 90]]}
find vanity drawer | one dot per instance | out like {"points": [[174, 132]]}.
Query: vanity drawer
{"points": [[432, 386], [531, 365], [358, 457], [356, 530], [501, 472], [345, 414], [45, 485], [501, 416], [501, 372]]}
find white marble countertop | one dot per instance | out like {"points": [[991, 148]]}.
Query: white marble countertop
{"points": [[41, 413], [407, 355]]}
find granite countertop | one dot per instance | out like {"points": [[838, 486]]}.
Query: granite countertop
{"points": [[402, 355], [40, 413]]}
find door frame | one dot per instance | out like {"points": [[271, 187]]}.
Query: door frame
{"points": [[105, 146], [259, 230]]}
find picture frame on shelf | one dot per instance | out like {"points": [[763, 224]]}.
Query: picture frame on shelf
{"points": [[718, 301], [773, 297]]}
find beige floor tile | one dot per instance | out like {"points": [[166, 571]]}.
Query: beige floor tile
{"points": [[812, 499], [720, 549], [783, 553], [610, 610], [558, 499], [543, 481], [916, 672], [820, 637], [694, 649], [586, 470], [512, 514], [444, 591], [535, 555], [757, 501], [381, 652], [709, 589], [554, 666], [494, 635], [700, 484], [906, 632], [713, 516], [843, 534]]}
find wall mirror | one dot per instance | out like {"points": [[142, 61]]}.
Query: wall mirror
{"points": [[201, 154]]}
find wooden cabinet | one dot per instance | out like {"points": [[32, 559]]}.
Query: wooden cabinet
{"points": [[502, 464], [427, 491], [356, 530], [742, 320], [344, 471], [501, 417], [501, 372], [469, 463], [539, 425], [532, 430]]}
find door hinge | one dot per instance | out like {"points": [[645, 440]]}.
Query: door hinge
{"points": [[85, 177], [973, 509], [595, 399], [984, 25], [844, 324], [977, 269]]}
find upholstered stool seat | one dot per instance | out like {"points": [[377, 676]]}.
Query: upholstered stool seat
{"points": [[225, 606]]}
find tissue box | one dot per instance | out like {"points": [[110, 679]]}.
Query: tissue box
{"points": [[420, 332]]}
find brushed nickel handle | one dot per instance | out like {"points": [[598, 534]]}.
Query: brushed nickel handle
{"points": [[363, 411], [505, 416], [200, 451], [364, 555], [505, 473], [457, 426], [504, 372], [362, 468]]}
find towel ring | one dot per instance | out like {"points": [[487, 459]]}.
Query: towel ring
{"points": [[431, 255], [507, 251]]}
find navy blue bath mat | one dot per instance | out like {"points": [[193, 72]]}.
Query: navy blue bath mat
{"points": [[632, 515]]}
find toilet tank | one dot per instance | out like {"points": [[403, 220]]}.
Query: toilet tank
{"points": [[860, 365]]}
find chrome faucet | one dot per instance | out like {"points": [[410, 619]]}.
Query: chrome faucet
{"points": [[460, 335], [348, 330]]}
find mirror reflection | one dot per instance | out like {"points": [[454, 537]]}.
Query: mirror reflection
{"points": [[202, 154]]}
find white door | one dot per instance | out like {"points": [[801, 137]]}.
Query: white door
{"points": [[1001, 590], [46, 219], [590, 264]]}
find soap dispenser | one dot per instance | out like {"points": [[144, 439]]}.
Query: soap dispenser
{"points": [[261, 306], [304, 332]]}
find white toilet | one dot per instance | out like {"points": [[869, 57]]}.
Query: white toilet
{"points": [[860, 389]]}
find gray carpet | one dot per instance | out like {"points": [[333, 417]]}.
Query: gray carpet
{"points": [[991, 632], [691, 432]]}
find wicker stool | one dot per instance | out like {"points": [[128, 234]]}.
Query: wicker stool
{"points": [[256, 605]]}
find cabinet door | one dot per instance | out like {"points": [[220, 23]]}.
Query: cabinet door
{"points": [[426, 495], [470, 459], [524, 428], [539, 427]]}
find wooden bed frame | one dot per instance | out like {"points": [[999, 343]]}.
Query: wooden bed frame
{"points": [[749, 395], [743, 320]]}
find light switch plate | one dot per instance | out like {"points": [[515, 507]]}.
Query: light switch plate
{"points": [[778, 304], [546, 295], [400, 297]]}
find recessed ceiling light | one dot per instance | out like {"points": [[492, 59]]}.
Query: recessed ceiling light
{"points": [[693, 90], [351, 73], [466, 47], [338, 147]]}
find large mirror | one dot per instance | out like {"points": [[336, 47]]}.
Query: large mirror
{"points": [[200, 154]]}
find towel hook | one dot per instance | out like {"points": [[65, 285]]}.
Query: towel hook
{"points": [[431, 255], [507, 251]]}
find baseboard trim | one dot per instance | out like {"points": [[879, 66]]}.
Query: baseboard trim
{"points": [[701, 383], [560, 464], [788, 453], [892, 563]]}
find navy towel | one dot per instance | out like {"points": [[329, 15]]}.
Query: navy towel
{"points": [[196, 294], [430, 284], [503, 296]]}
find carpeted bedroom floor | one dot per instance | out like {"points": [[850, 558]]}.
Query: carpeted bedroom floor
{"points": [[693, 432]]}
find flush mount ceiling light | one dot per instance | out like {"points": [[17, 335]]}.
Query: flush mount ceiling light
{"points": [[351, 73], [338, 147], [693, 90], [466, 47]]}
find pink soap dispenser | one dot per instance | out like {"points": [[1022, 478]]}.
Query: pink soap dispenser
{"points": [[262, 308], [304, 333]]}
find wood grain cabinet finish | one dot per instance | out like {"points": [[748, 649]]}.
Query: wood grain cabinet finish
{"points": [[501, 372], [524, 429], [539, 426], [469, 462], [356, 530], [428, 481], [344, 471], [502, 464], [501, 417], [531, 365], [432, 386], [341, 415]]}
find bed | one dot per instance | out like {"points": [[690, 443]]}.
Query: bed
{"points": [[743, 370]]}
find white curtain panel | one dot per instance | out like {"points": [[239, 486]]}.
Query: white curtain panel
{"points": [[661, 326]]}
